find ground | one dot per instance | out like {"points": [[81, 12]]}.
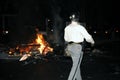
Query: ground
{"points": [[96, 65]]}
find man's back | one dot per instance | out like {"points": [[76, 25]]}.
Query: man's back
{"points": [[77, 33]]}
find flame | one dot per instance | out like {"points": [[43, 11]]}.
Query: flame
{"points": [[44, 46], [38, 46]]}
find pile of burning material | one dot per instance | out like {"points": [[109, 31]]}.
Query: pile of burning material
{"points": [[39, 47]]}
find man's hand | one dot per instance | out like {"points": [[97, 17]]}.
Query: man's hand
{"points": [[92, 45]]}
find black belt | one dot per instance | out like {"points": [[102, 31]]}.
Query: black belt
{"points": [[74, 42]]}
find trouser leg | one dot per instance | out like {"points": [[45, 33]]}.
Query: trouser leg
{"points": [[78, 73], [73, 69], [76, 56]]}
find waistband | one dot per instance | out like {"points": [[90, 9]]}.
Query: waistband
{"points": [[74, 42]]}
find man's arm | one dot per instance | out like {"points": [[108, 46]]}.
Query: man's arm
{"points": [[87, 36], [65, 35]]}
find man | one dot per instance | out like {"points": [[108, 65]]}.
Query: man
{"points": [[74, 35]]}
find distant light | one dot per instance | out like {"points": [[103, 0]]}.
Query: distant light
{"points": [[106, 32], [95, 32], [10, 52], [48, 20], [6, 32], [52, 30], [117, 31]]}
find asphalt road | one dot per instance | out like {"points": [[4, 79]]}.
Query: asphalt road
{"points": [[95, 66], [92, 68]]}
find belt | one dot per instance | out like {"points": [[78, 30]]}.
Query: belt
{"points": [[74, 42]]}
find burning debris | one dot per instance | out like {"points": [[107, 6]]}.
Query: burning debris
{"points": [[44, 46], [38, 47]]}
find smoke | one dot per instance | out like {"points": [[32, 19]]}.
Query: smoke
{"points": [[57, 23]]}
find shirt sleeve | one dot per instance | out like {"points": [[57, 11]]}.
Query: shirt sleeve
{"points": [[65, 35], [87, 36]]}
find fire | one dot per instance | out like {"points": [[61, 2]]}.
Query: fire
{"points": [[39, 45], [44, 46]]}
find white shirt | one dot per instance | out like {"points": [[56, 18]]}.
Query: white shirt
{"points": [[77, 33]]}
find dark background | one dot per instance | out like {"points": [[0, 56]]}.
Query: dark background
{"points": [[20, 17]]}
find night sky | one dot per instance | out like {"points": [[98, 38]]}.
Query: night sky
{"points": [[19, 15], [95, 12]]}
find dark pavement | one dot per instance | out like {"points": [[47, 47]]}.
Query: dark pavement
{"points": [[96, 65], [52, 69], [92, 68]]}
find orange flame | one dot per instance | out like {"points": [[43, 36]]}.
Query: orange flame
{"points": [[44, 46], [39, 45]]}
